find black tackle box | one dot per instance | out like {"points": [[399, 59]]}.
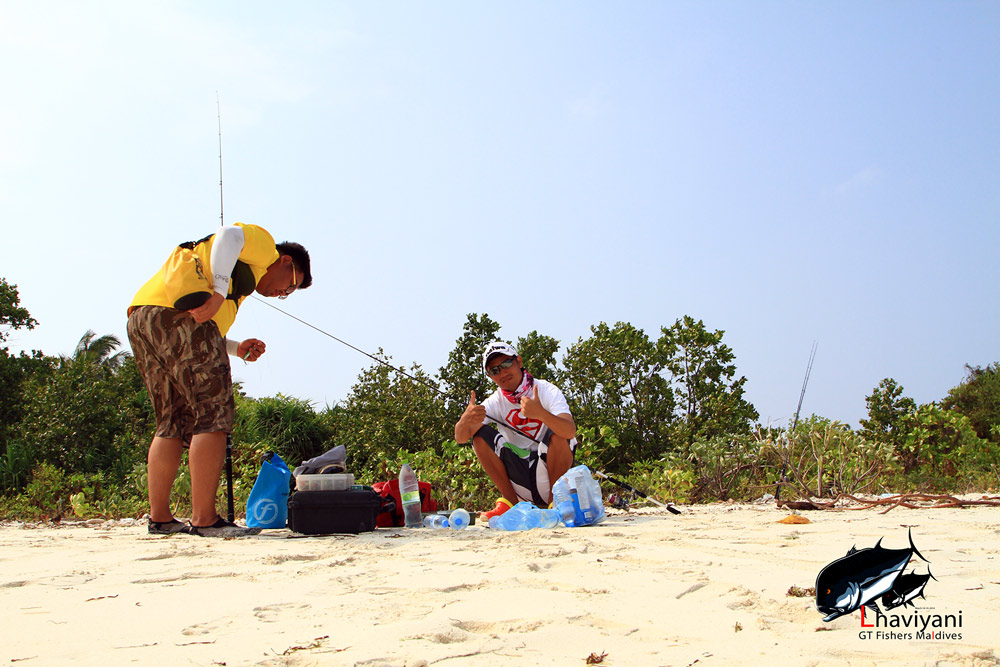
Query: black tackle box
{"points": [[351, 510]]}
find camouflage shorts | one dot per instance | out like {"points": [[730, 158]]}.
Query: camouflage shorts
{"points": [[186, 370]]}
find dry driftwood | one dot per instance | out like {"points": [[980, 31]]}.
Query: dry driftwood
{"points": [[913, 501], [804, 505], [916, 501]]}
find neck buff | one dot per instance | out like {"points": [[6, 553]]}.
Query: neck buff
{"points": [[515, 396]]}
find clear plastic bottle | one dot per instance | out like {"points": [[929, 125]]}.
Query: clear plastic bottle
{"points": [[458, 519], [563, 502], [594, 500], [409, 494], [548, 518], [513, 519], [525, 516], [586, 502], [435, 521]]}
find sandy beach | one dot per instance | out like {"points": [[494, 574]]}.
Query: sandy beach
{"points": [[708, 587]]}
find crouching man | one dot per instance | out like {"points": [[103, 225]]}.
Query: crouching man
{"points": [[523, 434]]}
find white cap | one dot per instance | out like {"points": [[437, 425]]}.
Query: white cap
{"points": [[497, 347]]}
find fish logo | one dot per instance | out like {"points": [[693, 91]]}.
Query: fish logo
{"points": [[906, 588], [863, 576]]}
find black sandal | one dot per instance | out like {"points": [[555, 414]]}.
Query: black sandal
{"points": [[167, 527], [222, 528]]}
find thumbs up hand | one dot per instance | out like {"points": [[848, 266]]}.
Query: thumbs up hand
{"points": [[531, 406], [474, 413]]}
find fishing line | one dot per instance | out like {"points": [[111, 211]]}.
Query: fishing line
{"points": [[374, 358], [344, 342], [218, 110]]}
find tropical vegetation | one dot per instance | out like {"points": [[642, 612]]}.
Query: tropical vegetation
{"points": [[666, 412]]}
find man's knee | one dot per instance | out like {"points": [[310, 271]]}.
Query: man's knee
{"points": [[560, 448], [559, 458], [482, 448]]}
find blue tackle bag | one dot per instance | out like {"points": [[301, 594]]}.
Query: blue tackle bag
{"points": [[267, 506]]}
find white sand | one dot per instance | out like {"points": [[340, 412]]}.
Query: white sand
{"points": [[707, 587]]}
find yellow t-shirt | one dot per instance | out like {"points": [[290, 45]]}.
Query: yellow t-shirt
{"points": [[259, 252]]}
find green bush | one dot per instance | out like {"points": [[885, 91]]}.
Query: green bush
{"points": [[668, 481], [733, 467], [54, 493], [825, 457], [15, 465], [80, 417], [282, 424], [940, 451]]}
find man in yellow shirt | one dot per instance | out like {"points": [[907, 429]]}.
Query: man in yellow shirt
{"points": [[177, 325]]}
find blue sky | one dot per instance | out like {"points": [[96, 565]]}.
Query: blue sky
{"points": [[787, 172]]}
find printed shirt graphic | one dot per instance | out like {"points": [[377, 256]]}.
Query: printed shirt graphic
{"points": [[514, 425], [258, 251]]}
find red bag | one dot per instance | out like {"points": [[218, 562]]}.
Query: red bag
{"points": [[390, 489]]}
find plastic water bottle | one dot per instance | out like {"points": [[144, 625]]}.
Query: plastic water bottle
{"points": [[586, 502], [579, 517], [435, 521], [525, 516], [458, 519], [548, 518], [409, 494], [594, 498], [563, 502], [516, 518]]}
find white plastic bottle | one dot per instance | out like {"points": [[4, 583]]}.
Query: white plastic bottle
{"points": [[458, 519], [435, 521], [409, 494]]}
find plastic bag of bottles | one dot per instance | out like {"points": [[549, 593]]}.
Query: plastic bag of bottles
{"points": [[577, 498]]}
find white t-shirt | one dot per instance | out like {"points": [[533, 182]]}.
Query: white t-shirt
{"points": [[517, 429]]}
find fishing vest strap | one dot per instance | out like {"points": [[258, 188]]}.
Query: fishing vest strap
{"points": [[242, 282]]}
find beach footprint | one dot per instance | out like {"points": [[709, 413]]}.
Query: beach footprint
{"points": [[499, 628], [453, 635], [208, 627], [270, 613]]}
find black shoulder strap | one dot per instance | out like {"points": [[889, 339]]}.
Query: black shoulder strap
{"points": [[242, 281]]}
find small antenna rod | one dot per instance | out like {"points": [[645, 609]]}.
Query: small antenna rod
{"points": [[805, 381], [218, 109], [795, 421]]}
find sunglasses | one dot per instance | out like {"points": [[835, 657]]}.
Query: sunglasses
{"points": [[291, 288], [495, 370]]}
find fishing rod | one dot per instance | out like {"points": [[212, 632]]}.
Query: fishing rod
{"points": [[230, 503], [613, 480], [218, 109], [795, 420], [669, 506]]}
